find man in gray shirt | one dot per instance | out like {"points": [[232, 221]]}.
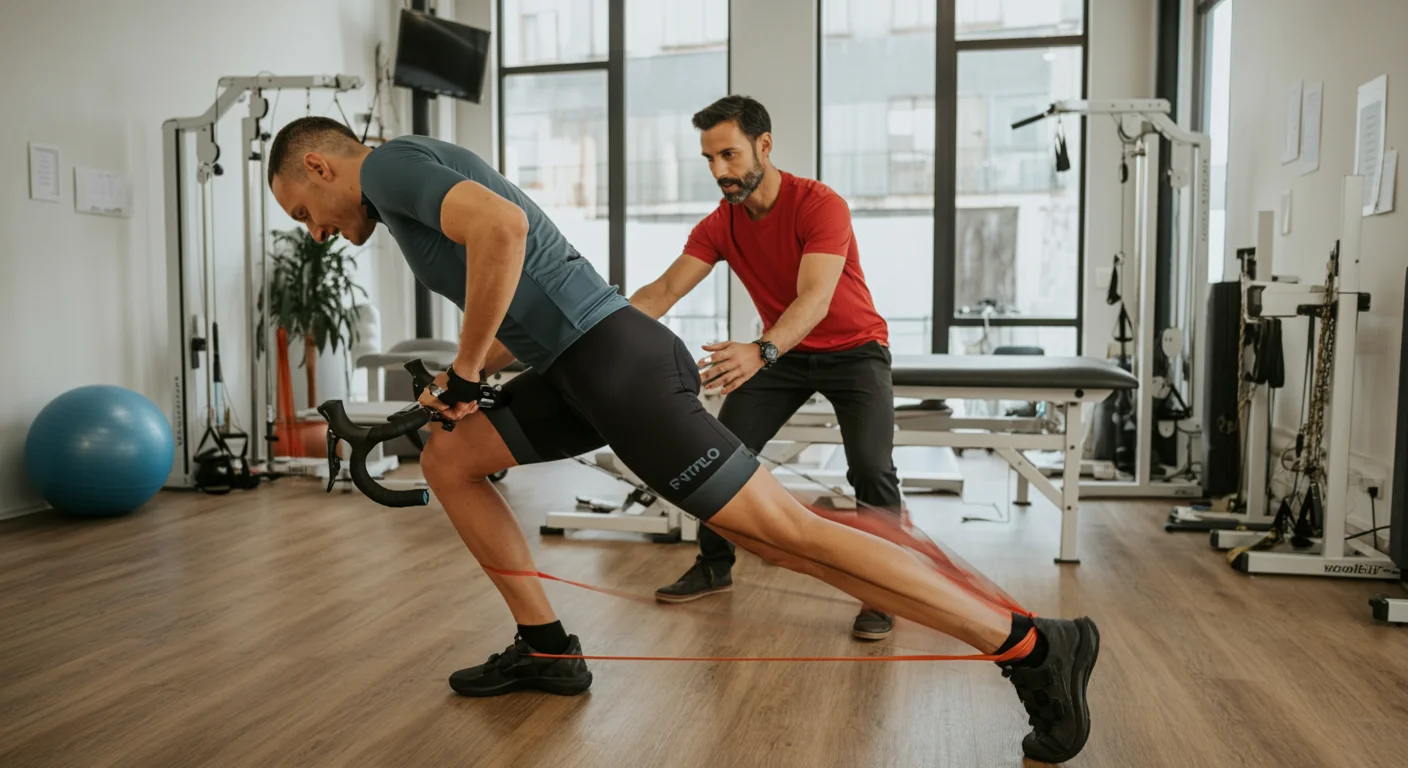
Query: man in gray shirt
{"points": [[602, 372]]}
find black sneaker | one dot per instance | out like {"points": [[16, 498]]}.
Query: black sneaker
{"points": [[699, 581], [514, 670], [1053, 693], [871, 624]]}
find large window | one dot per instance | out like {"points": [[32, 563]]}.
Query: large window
{"points": [[595, 119], [979, 19], [923, 166], [878, 116], [1214, 83], [555, 149], [676, 64], [538, 32]]}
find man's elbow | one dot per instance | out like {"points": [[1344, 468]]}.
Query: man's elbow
{"points": [[819, 299], [513, 224], [503, 236]]}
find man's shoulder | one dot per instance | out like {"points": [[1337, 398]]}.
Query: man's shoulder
{"points": [[426, 146], [812, 193], [809, 186], [387, 158], [717, 217]]}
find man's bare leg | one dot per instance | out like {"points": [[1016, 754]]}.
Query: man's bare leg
{"points": [[873, 570], [1050, 678], [456, 465]]}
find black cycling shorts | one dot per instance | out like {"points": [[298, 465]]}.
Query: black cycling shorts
{"points": [[629, 383]]}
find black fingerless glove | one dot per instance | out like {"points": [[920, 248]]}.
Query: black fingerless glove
{"points": [[462, 390]]}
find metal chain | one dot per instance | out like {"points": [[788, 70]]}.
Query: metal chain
{"points": [[1246, 391], [1310, 461]]}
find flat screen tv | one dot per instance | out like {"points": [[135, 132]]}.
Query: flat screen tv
{"points": [[439, 56]]}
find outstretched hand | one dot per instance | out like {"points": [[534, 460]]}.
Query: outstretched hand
{"points": [[453, 412], [729, 366]]}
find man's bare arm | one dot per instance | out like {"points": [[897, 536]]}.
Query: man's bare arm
{"points": [[494, 233], [498, 359], [656, 298], [816, 285]]}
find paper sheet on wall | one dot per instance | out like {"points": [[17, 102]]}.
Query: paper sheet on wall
{"points": [[104, 193], [1311, 108], [1286, 212], [1290, 132], [1386, 185], [44, 173], [1369, 138]]}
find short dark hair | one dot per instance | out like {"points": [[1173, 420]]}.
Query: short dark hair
{"points": [[750, 115], [306, 134]]}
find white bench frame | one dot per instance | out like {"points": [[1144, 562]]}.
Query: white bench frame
{"points": [[1007, 437]]}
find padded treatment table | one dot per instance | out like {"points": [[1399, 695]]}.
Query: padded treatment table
{"points": [[1065, 384]]}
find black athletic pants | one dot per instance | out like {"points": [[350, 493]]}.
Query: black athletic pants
{"points": [[857, 384]]}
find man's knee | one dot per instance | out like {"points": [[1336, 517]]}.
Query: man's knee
{"points": [[446, 460], [784, 524]]}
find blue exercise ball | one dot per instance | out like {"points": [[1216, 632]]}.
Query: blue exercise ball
{"points": [[99, 451]]}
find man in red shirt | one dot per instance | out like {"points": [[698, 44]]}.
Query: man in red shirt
{"points": [[789, 240]]}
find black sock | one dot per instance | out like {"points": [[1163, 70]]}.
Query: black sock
{"points": [[1021, 625], [545, 638]]}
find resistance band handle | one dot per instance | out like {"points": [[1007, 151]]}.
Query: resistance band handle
{"points": [[363, 440], [459, 390]]}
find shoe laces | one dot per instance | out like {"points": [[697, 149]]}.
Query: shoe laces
{"points": [[1035, 687], [510, 657]]}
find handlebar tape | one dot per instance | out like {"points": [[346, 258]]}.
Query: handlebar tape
{"points": [[363, 440]]}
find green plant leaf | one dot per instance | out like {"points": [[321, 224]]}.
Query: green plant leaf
{"points": [[311, 289]]}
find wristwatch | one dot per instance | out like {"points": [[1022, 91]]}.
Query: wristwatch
{"points": [[769, 352]]}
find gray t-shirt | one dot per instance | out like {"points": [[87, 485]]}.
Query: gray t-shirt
{"points": [[559, 295]]}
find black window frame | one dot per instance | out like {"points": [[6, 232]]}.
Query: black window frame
{"points": [[948, 48], [614, 65]]}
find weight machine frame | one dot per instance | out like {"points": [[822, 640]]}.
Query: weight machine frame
{"points": [[190, 332], [1193, 258], [1331, 554]]}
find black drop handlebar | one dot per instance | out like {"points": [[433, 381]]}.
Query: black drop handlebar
{"points": [[407, 422]]}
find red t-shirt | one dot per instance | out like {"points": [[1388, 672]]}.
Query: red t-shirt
{"points": [[808, 217]]}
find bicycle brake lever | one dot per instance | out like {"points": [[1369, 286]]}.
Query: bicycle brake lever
{"points": [[334, 463]]}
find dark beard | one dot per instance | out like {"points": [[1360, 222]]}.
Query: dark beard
{"points": [[746, 185]]}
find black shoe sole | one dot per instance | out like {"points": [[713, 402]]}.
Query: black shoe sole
{"points": [[560, 686], [664, 598], [1085, 660]]}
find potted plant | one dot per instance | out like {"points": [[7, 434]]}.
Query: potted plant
{"points": [[312, 296]]}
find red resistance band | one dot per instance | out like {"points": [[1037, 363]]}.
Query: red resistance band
{"points": [[893, 528]]}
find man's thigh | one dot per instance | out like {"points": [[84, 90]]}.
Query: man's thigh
{"points": [[859, 386], [538, 424], [634, 381], [758, 409]]}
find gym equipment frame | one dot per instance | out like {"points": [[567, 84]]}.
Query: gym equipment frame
{"points": [[189, 283], [1332, 554], [1179, 345]]}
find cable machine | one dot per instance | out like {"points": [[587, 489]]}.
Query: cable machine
{"points": [[1179, 379], [202, 417]]}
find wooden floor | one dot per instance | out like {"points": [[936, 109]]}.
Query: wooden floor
{"points": [[286, 627]]}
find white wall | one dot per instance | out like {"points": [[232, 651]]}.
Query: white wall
{"points": [[1345, 44], [1122, 52], [83, 298], [778, 38]]}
